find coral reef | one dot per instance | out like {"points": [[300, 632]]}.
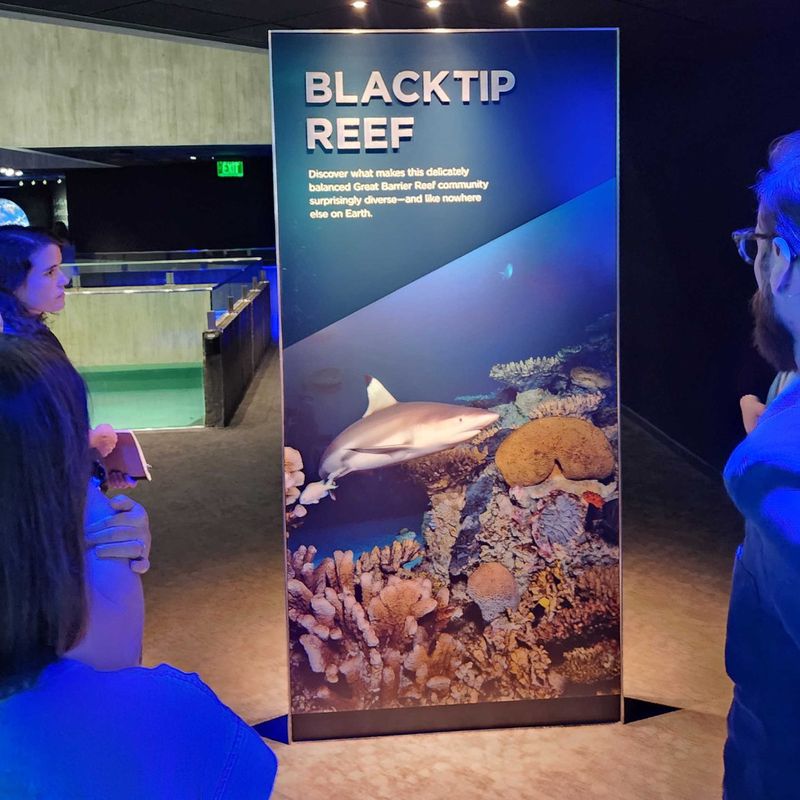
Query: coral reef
{"points": [[526, 374], [440, 527], [574, 405], [493, 588], [293, 479], [592, 611], [599, 662], [514, 593], [588, 378], [366, 634], [449, 468], [527, 456]]}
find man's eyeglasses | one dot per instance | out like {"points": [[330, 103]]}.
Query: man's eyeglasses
{"points": [[746, 241]]}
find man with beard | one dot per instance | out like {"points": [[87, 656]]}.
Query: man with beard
{"points": [[762, 752]]}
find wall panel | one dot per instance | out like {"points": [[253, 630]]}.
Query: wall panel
{"points": [[70, 86]]}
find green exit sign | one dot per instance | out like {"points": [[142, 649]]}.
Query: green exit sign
{"points": [[230, 169]]}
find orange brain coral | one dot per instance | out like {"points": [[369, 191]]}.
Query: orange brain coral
{"points": [[528, 454]]}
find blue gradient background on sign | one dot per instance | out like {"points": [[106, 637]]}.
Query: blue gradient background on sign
{"points": [[549, 140]]}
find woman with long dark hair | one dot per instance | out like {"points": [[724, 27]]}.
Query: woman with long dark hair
{"points": [[67, 729], [32, 283]]}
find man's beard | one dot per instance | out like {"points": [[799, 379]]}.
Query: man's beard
{"points": [[772, 338]]}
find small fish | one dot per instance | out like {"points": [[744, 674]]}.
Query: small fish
{"points": [[593, 499], [507, 272], [317, 491]]}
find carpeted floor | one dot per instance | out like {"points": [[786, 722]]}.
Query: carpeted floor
{"points": [[216, 606]]}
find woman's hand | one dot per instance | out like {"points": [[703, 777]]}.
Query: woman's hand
{"points": [[117, 480], [125, 533]]}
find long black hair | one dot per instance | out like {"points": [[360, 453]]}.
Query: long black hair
{"points": [[17, 245], [44, 473]]}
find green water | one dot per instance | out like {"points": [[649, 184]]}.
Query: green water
{"points": [[155, 396]]}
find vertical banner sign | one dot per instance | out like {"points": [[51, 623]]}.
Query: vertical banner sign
{"points": [[447, 233]]}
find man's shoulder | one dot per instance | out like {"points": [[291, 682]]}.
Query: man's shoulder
{"points": [[771, 453]]}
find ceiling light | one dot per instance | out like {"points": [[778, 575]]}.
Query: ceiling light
{"points": [[18, 172], [33, 183], [22, 183], [44, 182], [58, 181], [513, 3], [359, 4], [192, 158], [433, 3]]}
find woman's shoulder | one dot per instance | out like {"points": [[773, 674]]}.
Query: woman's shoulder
{"points": [[136, 715], [71, 682], [164, 689]]}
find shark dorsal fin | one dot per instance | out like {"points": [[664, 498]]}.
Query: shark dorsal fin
{"points": [[377, 396]]}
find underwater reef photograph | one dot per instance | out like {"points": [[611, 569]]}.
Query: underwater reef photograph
{"points": [[504, 582]]}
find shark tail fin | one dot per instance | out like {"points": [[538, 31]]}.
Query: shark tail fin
{"points": [[378, 397]]}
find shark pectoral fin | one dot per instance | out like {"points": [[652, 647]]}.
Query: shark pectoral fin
{"points": [[377, 396], [386, 448]]}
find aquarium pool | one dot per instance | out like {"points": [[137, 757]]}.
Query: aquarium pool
{"points": [[155, 396]]}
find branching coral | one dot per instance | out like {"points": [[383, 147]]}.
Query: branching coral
{"points": [[293, 479], [502, 666], [359, 628], [594, 610], [525, 374], [589, 378], [450, 468], [573, 405], [527, 402], [591, 664], [440, 528], [390, 558]]}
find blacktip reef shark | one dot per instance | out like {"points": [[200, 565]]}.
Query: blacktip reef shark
{"points": [[390, 433]]}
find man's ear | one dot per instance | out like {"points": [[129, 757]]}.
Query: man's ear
{"points": [[780, 269]]}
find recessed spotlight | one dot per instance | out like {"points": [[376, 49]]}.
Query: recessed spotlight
{"points": [[58, 181], [18, 172], [434, 3], [513, 3], [33, 183], [44, 182], [359, 4], [192, 158], [22, 183]]}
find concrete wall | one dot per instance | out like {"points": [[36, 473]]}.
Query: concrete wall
{"points": [[118, 327], [93, 86]]}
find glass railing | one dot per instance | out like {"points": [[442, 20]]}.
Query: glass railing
{"points": [[134, 328], [265, 253]]}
